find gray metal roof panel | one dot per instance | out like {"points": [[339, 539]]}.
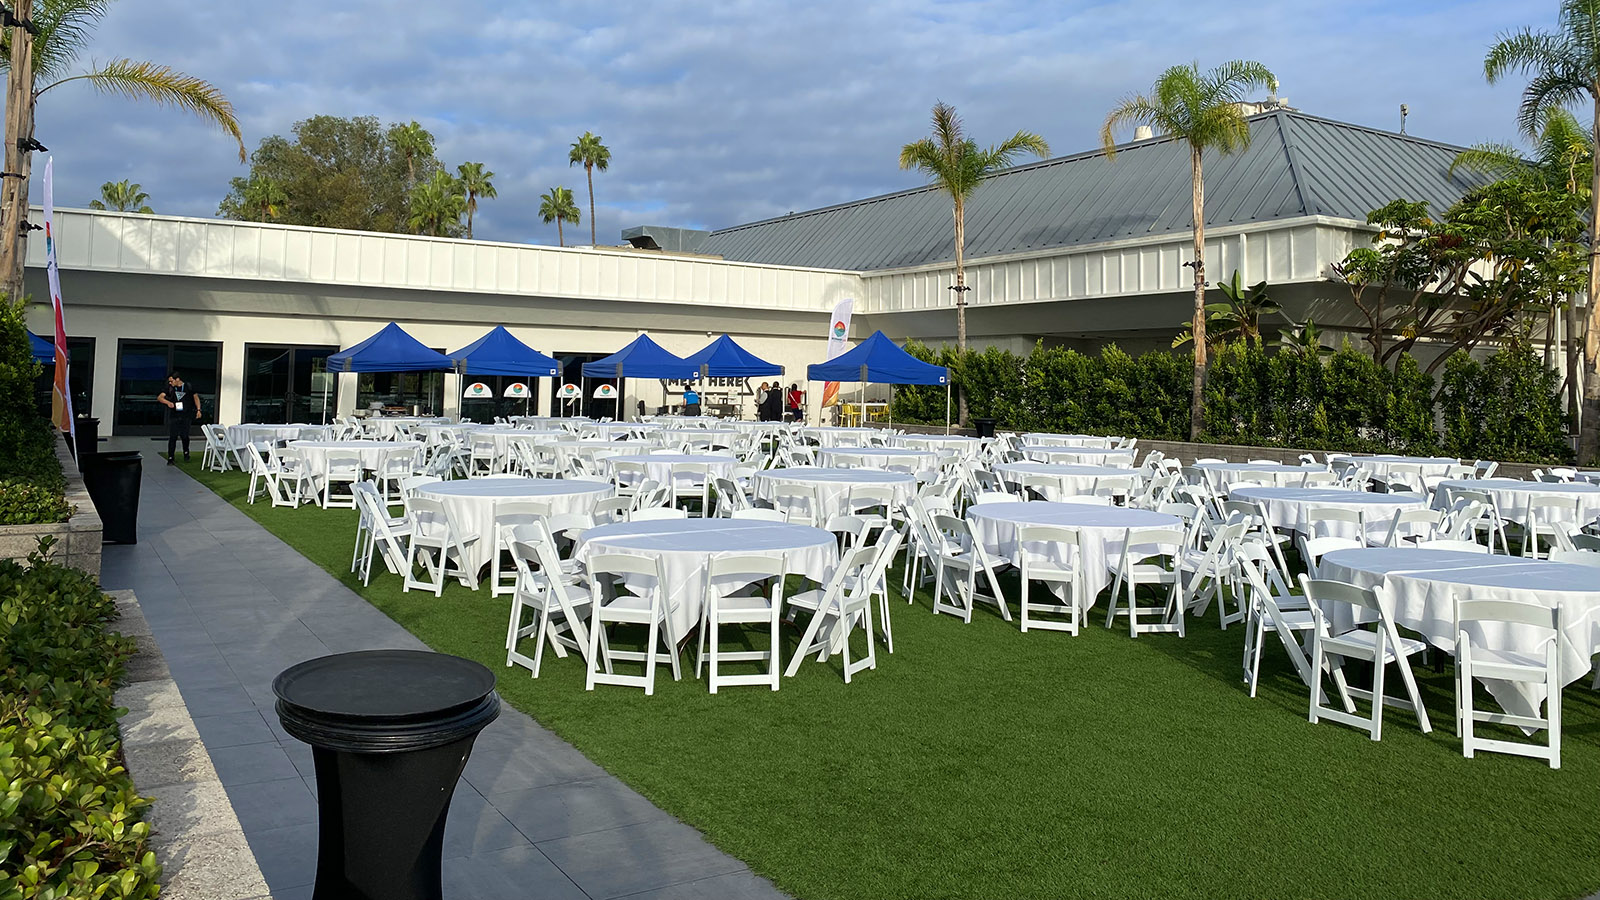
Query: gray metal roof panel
{"points": [[1295, 165]]}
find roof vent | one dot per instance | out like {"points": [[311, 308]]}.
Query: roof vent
{"points": [[671, 240], [1143, 133]]}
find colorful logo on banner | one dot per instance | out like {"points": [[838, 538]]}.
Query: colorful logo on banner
{"points": [[837, 345], [839, 331], [477, 389], [605, 392], [517, 390], [569, 391]]}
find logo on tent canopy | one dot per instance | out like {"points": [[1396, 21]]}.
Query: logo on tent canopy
{"points": [[516, 389], [477, 389], [569, 391], [605, 392]]}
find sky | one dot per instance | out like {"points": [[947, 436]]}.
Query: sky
{"points": [[719, 113]]}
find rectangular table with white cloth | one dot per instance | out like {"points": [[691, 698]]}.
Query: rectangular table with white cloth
{"points": [[472, 504], [685, 548], [1100, 534], [1421, 588], [1511, 498]]}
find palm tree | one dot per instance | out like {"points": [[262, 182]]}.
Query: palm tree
{"points": [[413, 142], [123, 196], [1202, 109], [264, 196], [558, 206], [1564, 66], [437, 205], [593, 155], [65, 27], [475, 181], [957, 165]]}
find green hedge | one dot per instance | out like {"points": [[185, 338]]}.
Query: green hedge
{"points": [[69, 815], [31, 483], [1506, 407]]}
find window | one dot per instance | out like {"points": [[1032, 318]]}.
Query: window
{"points": [[142, 370]]}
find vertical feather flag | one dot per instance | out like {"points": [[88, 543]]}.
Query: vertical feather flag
{"points": [[60, 392], [838, 331]]}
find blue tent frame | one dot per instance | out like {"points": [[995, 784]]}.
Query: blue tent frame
{"points": [[390, 350], [878, 360], [500, 353], [642, 358], [724, 358], [44, 351]]}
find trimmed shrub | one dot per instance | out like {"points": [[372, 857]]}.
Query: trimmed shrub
{"points": [[1506, 407], [31, 484]]}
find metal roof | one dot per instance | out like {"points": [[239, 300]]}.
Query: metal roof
{"points": [[1296, 165]]}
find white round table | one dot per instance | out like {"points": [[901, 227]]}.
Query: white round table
{"points": [[963, 443], [614, 430], [372, 452], [838, 435], [388, 427], [1050, 439], [1075, 481], [833, 486], [1381, 465], [685, 547], [1077, 456], [1100, 532], [472, 503], [924, 463], [1420, 588], [720, 435], [1287, 508], [658, 466], [1511, 497], [244, 435], [1219, 475], [503, 436]]}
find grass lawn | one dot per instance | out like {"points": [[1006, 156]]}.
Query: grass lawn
{"points": [[979, 762]]}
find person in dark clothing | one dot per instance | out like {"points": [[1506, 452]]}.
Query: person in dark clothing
{"points": [[691, 402], [761, 402], [792, 401], [183, 410], [774, 403]]}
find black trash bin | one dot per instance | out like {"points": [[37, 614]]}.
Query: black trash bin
{"points": [[85, 437], [390, 732], [985, 427], [113, 483]]}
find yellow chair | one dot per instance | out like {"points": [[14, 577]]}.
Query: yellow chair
{"points": [[850, 414]]}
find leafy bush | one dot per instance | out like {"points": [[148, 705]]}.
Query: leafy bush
{"points": [[69, 815], [30, 477], [1506, 408]]}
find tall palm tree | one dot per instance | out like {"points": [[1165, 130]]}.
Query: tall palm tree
{"points": [[65, 27], [437, 205], [1202, 110], [957, 165], [558, 206], [123, 196], [1564, 66], [264, 196], [593, 155], [413, 142], [475, 180]]}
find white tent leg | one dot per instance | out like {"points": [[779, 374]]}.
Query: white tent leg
{"points": [[947, 407]]}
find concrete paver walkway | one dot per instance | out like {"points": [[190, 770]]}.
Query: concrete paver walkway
{"points": [[230, 606]]}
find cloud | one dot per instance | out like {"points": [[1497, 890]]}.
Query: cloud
{"points": [[721, 113]]}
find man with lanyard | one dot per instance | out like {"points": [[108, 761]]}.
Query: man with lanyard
{"points": [[183, 408]]}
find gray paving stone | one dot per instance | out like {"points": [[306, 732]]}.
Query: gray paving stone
{"points": [[733, 886], [515, 874], [278, 803], [232, 729], [250, 763], [473, 826], [574, 808], [287, 856], [622, 861]]}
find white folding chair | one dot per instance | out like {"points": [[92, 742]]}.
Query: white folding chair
{"points": [[558, 605], [1381, 645], [215, 456], [798, 502], [1313, 549], [1534, 664], [658, 513], [1550, 518], [843, 603], [691, 482], [439, 545], [759, 515], [1411, 526], [1150, 556], [510, 513], [960, 561], [734, 597], [629, 590], [1050, 554], [339, 467], [1273, 608]]}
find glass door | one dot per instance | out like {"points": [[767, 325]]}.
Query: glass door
{"points": [[287, 384], [142, 370], [586, 405], [484, 409]]}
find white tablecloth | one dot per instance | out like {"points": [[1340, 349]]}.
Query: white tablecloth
{"points": [[686, 546], [1422, 587], [923, 463], [678, 434], [967, 445], [472, 503], [372, 453], [614, 430], [241, 435], [833, 485], [1050, 439], [1076, 481], [1100, 532], [1219, 475], [1381, 465], [1287, 508], [1511, 497], [387, 427], [839, 436], [1589, 477], [1077, 456], [658, 466]]}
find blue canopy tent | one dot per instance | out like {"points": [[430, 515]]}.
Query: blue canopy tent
{"points": [[643, 358], [500, 353], [43, 351], [724, 358], [881, 361], [390, 350]]}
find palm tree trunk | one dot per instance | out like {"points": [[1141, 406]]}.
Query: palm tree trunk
{"points": [[470, 207], [561, 237], [961, 303], [1589, 421], [1574, 353], [588, 169], [1197, 399], [19, 124]]}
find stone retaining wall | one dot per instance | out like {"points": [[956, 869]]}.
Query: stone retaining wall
{"points": [[77, 540]]}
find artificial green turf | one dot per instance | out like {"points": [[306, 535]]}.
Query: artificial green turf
{"points": [[980, 762]]}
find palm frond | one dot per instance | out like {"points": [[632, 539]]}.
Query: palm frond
{"points": [[1132, 110], [1521, 51], [1228, 82], [167, 87], [1492, 159], [65, 27], [1004, 154], [1547, 90]]}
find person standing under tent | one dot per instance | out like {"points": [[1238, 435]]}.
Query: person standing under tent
{"points": [[793, 400], [691, 401], [761, 402], [183, 410]]}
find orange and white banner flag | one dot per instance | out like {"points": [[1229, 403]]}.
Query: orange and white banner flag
{"points": [[838, 332]]}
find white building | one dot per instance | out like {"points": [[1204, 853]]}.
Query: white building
{"points": [[1077, 250]]}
